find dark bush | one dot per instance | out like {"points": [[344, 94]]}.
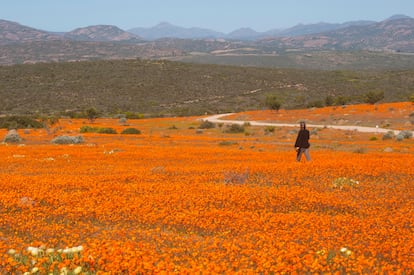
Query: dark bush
{"points": [[373, 97], [89, 129], [131, 131], [206, 125], [234, 129], [19, 122], [106, 131]]}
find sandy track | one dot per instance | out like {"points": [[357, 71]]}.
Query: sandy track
{"points": [[220, 119]]}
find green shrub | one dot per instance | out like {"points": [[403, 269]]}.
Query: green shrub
{"points": [[407, 134], [206, 125], [89, 129], [404, 135], [316, 104], [234, 129], [131, 115], [273, 102], [373, 97], [19, 122], [106, 131], [131, 131], [388, 135], [269, 129], [227, 143]]}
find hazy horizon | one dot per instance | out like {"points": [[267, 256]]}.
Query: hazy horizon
{"points": [[220, 16]]}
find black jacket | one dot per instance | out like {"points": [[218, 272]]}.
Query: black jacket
{"points": [[302, 141]]}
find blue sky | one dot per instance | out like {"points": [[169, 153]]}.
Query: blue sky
{"points": [[218, 15]]}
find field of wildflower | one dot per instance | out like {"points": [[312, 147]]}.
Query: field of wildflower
{"points": [[184, 200]]}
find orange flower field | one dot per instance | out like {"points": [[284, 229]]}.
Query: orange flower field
{"points": [[176, 199]]}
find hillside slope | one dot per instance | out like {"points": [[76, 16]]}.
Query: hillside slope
{"points": [[173, 88]]}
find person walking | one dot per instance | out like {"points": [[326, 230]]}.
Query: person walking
{"points": [[302, 142]]}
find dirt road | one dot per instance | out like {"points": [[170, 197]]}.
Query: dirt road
{"points": [[220, 119]]}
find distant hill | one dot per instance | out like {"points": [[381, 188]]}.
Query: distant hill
{"points": [[102, 33], [302, 29], [12, 32], [388, 35], [167, 30], [22, 44]]}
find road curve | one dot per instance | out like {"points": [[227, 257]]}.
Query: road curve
{"points": [[219, 119]]}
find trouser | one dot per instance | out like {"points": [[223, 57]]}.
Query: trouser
{"points": [[303, 151]]}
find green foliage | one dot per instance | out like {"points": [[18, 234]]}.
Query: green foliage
{"points": [[206, 125], [329, 100], [234, 129], [411, 117], [388, 135], [88, 129], [91, 114], [104, 130], [269, 129], [373, 97], [405, 134], [19, 122], [273, 102], [131, 131], [412, 98], [316, 104], [227, 143], [132, 115], [342, 100], [164, 88]]}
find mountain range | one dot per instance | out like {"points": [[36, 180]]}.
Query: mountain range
{"points": [[23, 44], [166, 30]]}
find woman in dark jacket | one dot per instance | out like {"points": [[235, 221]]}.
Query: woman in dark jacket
{"points": [[302, 142]]}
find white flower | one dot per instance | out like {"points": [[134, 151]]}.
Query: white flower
{"points": [[67, 250], [348, 252], [77, 270], [35, 270], [343, 249], [11, 251], [63, 271], [50, 251], [34, 251]]}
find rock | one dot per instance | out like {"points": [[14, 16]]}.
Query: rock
{"points": [[12, 137], [67, 140]]}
